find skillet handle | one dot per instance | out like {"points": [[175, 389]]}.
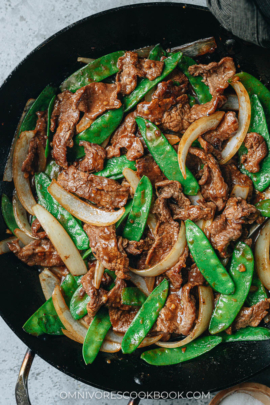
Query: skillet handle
{"points": [[134, 401], [21, 389]]}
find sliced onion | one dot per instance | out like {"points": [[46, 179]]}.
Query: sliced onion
{"points": [[148, 341], [107, 345], [61, 241], [173, 139], [21, 216], [22, 184], [4, 245], [118, 337], [48, 282], [114, 336], [261, 255], [148, 96], [132, 178], [99, 270], [60, 271], [139, 282], [170, 260], [105, 143], [240, 191], [194, 199], [202, 223], [25, 239], [206, 307], [244, 115], [193, 132], [86, 212], [83, 124], [85, 60], [84, 323], [197, 48], [232, 103], [150, 283], [152, 222]]}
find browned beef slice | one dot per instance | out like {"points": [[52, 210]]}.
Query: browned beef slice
{"points": [[171, 88], [228, 226], [215, 75], [94, 157], [136, 248], [233, 177], [101, 191], [104, 245], [257, 150], [201, 110], [120, 319], [37, 144], [37, 230], [98, 297], [179, 314], [225, 130], [174, 274], [131, 66], [155, 109], [213, 186], [195, 277], [40, 252], [146, 166], [124, 137], [251, 316]]}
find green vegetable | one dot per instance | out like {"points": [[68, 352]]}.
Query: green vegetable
{"points": [[95, 335], [207, 260], [50, 324], [157, 52], [115, 166], [145, 318], [69, 223], [133, 296], [199, 87], [264, 207], [138, 215], [256, 296], [69, 286], [52, 170], [78, 303], [99, 131], [261, 179], [145, 85], [228, 306], [167, 357], [165, 156], [7, 212], [192, 102], [246, 334], [50, 110], [95, 71]]}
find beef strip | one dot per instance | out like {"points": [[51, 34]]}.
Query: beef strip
{"points": [[37, 229], [225, 130], [98, 297], [250, 316], [136, 248], [120, 319], [94, 157], [174, 274], [234, 177], [257, 150], [179, 313], [228, 226], [171, 88], [40, 252], [213, 186], [105, 247], [216, 74], [100, 190], [146, 166], [131, 66], [155, 110], [195, 277], [114, 296]]}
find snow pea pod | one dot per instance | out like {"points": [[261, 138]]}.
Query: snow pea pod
{"points": [[139, 211], [133, 296], [8, 214], [69, 223], [49, 114], [264, 207], [247, 334], [145, 84], [145, 318], [95, 71], [78, 303], [52, 170], [261, 179], [207, 260], [95, 335], [167, 357], [69, 286], [165, 156], [115, 166], [256, 296], [228, 306], [157, 52], [99, 131]]}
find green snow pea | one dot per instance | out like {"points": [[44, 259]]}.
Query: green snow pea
{"points": [[50, 110], [145, 318], [138, 215], [256, 296], [52, 170], [157, 52], [199, 87], [264, 207], [69, 286], [95, 71], [207, 260], [246, 334], [165, 156], [69, 223], [7, 212], [145, 84], [258, 124], [95, 335], [192, 102], [99, 131], [133, 296], [115, 166], [78, 303], [228, 306], [167, 357]]}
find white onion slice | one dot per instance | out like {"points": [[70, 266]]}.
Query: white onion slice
{"points": [[21, 216], [48, 282], [22, 184], [107, 345], [99, 270], [148, 341], [148, 96], [86, 212], [231, 104], [61, 241], [85, 60], [170, 260], [193, 132], [4, 245], [59, 271], [202, 223], [25, 239], [236, 141], [261, 255], [173, 139], [206, 307], [240, 191], [114, 336], [105, 143], [118, 337], [139, 282], [152, 222], [150, 283]]}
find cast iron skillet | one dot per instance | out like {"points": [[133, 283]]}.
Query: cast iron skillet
{"points": [[20, 293]]}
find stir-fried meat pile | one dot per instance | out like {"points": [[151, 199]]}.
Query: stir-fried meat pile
{"points": [[257, 150]]}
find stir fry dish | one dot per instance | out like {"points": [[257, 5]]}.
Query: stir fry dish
{"points": [[141, 196]]}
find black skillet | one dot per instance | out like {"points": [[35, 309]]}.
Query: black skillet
{"points": [[20, 293]]}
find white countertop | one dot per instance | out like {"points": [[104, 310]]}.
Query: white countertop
{"points": [[24, 25]]}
